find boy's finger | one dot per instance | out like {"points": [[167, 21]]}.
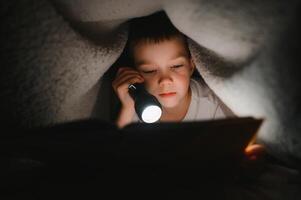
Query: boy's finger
{"points": [[127, 72], [254, 149], [124, 83], [123, 87], [121, 78], [126, 77], [122, 69], [254, 152], [130, 81]]}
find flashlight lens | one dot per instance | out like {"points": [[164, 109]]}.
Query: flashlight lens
{"points": [[151, 114]]}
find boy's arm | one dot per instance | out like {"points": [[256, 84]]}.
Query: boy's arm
{"points": [[125, 117], [125, 77]]}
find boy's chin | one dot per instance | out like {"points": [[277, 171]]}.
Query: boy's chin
{"points": [[169, 105]]}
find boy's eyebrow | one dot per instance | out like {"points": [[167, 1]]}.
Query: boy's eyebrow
{"points": [[141, 62], [180, 55]]}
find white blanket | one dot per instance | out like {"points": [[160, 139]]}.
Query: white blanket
{"points": [[54, 54]]}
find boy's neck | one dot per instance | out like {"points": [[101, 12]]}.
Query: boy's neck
{"points": [[178, 112]]}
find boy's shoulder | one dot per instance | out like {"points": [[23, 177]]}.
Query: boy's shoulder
{"points": [[200, 89]]}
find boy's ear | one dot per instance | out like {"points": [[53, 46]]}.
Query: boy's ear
{"points": [[192, 66]]}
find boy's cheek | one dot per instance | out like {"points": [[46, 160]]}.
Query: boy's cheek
{"points": [[148, 84]]}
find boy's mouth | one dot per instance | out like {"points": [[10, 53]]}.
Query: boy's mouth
{"points": [[167, 94]]}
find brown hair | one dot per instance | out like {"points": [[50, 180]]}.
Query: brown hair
{"points": [[154, 28]]}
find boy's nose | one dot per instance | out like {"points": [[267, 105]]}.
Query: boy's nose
{"points": [[165, 79]]}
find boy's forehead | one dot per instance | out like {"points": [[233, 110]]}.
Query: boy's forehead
{"points": [[145, 51]]}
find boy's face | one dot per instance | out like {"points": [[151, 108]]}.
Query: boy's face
{"points": [[166, 67]]}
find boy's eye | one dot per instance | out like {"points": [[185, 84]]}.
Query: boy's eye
{"points": [[176, 66], [148, 71]]}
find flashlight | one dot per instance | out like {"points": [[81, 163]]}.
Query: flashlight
{"points": [[147, 106]]}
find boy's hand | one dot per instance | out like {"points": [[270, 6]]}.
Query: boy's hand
{"points": [[125, 76], [254, 152], [253, 162]]}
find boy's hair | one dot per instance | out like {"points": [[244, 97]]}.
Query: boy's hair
{"points": [[154, 28]]}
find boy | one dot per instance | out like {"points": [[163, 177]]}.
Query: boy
{"points": [[162, 62]]}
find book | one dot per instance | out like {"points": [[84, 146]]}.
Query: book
{"points": [[152, 154], [200, 142], [204, 143]]}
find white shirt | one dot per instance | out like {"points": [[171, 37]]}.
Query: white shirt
{"points": [[204, 104]]}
